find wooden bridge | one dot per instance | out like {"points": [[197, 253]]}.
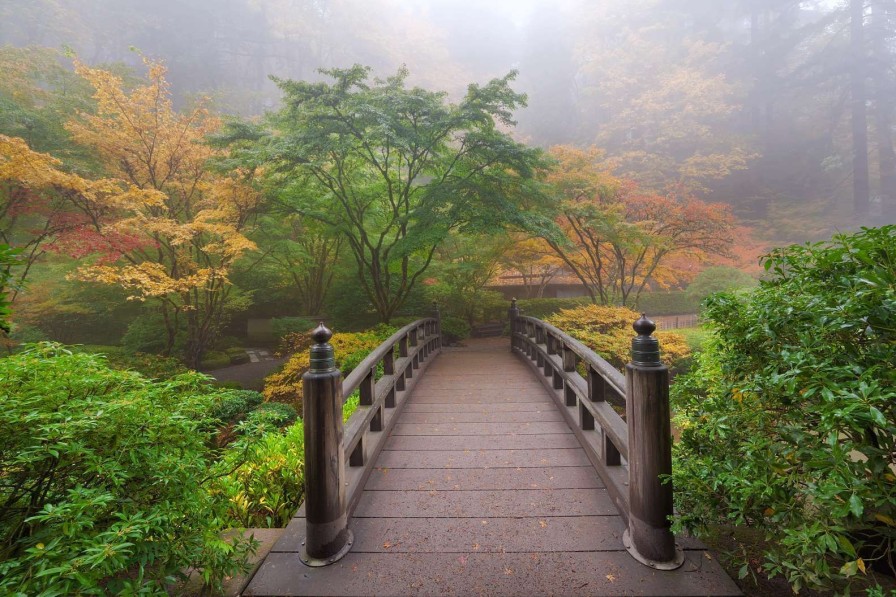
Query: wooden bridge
{"points": [[493, 469]]}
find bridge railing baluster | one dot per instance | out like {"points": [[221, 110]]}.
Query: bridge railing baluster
{"points": [[632, 455], [338, 458]]}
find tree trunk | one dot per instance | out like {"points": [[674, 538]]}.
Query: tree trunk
{"points": [[883, 110], [859, 121]]}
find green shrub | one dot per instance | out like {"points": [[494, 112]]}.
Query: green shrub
{"points": [[237, 355], [214, 359], [103, 487], [454, 329], [234, 405], [150, 365], [789, 418], [273, 413], [263, 481]]}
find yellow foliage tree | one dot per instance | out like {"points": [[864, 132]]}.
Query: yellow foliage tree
{"points": [[660, 106], [34, 203], [171, 228], [533, 262]]}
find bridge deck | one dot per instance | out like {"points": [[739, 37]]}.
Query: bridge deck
{"points": [[483, 489]]}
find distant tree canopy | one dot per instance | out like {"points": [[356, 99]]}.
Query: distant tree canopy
{"points": [[618, 239], [394, 170]]}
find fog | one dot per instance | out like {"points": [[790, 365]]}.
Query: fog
{"points": [[782, 109]]}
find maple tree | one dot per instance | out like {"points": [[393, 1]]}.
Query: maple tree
{"points": [[533, 261], [36, 209], [299, 254], [394, 170], [166, 228], [618, 239]]}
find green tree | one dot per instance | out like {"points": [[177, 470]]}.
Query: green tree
{"points": [[788, 421], [299, 255], [465, 265], [393, 170]]}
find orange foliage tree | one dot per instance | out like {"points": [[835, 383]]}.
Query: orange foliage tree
{"points": [[168, 228], [532, 261], [618, 239]]}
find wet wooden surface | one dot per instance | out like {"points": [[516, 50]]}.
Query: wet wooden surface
{"points": [[483, 490]]}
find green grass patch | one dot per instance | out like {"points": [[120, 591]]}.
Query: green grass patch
{"points": [[696, 337]]}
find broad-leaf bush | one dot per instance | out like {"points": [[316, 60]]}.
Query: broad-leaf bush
{"points": [[104, 478], [788, 421], [350, 349], [608, 332], [263, 481]]}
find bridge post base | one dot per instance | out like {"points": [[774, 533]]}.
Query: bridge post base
{"points": [[673, 564], [321, 562]]}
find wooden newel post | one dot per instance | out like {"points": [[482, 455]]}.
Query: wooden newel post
{"points": [[512, 314], [648, 537], [327, 538], [437, 315]]}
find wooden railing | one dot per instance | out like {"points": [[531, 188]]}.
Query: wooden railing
{"points": [[339, 459], [632, 456], [399, 359]]}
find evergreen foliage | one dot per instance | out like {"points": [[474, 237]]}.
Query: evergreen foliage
{"points": [[788, 421]]}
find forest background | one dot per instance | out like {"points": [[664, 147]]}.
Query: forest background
{"points": [[773, 118], [170, 170]]}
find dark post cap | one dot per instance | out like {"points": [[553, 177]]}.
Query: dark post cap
{"points": [[322, 358], [321, 334], [645, 348], [644, 326]]}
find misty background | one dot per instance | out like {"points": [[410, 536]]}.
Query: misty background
{"points": [[781, 108]]}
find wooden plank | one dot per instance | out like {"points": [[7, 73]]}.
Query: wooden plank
{"points": [[435, 429], [437, 407], [482, 459], [486, 503], [483, 442], [479, 397], [564, 477], [502, 535], [484, 416], [561, 573]]}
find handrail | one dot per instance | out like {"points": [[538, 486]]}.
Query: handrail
{"points": [[633, 455], [339, 458], [609, 441], [367, 428], [607, 371]]}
